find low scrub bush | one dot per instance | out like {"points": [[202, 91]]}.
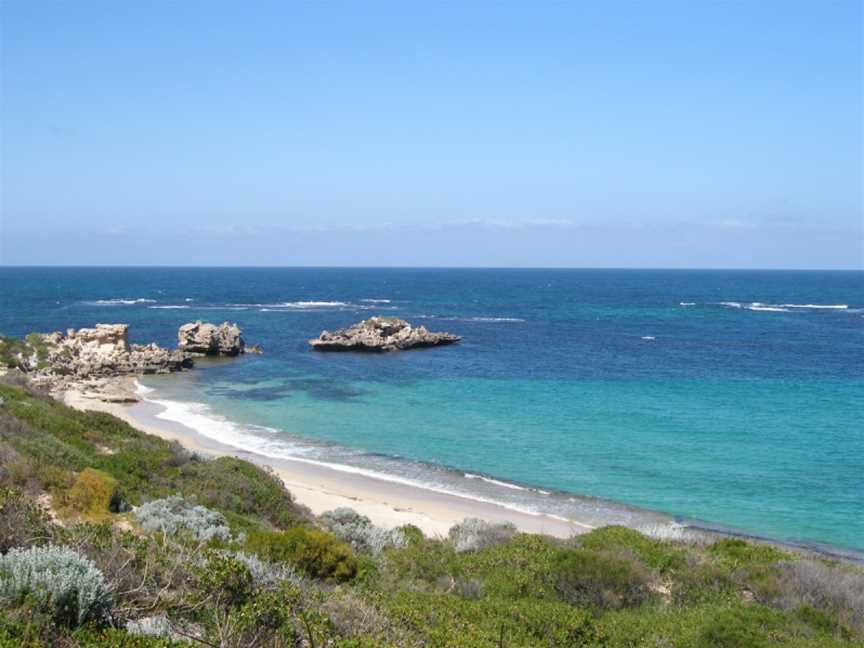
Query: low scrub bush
{"points": [[57, 579], [817, 586], [315, 552], [231, 484], [174, 514], [358, 531], [657, 554], [600, 579], [473, 534], [736, 552], [457, 622], [750, 627], [22, 520], [266, 575], [94, 495]]}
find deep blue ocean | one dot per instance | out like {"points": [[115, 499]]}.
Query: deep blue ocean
{"points": [[733, 398]]}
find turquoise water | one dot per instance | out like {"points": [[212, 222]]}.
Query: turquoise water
{"points": [[729, 398]]}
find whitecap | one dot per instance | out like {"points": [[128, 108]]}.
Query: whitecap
{"points": [[817, 306], [756, 306], [169, 307], [122, 302], [497, 482], [731, 304], [685, 304], [648, 337], [375, 301], [495, 319]]}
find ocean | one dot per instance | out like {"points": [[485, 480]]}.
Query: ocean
{"points": [[727, 399]]}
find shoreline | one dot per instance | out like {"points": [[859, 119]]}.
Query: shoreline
{"points": [[322, 488], [390, 503]]}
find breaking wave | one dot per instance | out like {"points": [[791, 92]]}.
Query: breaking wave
{"points": [[121, 302]]}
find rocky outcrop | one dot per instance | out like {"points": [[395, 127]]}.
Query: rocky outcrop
{"points": [[380, 334], [57, 360], [209, 339]]}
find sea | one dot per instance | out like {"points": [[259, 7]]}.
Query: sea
{"points": [[730, 400]]}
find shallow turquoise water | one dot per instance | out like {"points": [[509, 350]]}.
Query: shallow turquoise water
{"points": [[734, 398]]}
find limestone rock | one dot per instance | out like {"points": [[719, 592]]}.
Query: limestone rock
{"points": [[209, 339], [56, 360], [381, 334]]}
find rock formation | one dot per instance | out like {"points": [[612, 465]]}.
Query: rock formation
{"points": [[380, 334], [208, 339], [57, 360]]}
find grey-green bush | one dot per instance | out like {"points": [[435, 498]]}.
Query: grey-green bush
{"points": [[174, 514], [473, 534], [358, 531], [58, 580]]}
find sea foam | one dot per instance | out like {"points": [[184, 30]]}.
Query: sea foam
{"points": [[121, 302]]}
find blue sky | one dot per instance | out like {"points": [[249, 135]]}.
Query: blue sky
{"points": [[622, 134]]}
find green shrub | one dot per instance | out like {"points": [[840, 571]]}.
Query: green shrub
{"points": [[93, 495], [413, 534], [517, 569], [739, 553], [54, 578], [231, 484], [741, 627], [657, 554], [317, 553], [452, 621], [601, 579]]}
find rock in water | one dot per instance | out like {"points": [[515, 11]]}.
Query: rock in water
{"points": [[380, 334], [209, 339]]}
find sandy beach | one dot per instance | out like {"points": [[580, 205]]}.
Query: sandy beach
{"points": [[321, 488]]}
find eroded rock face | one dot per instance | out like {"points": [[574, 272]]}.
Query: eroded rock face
{"points": [[380, 334], [210, 339], [58, 360]]}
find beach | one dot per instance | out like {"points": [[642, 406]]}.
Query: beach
{"points": [[321, 488]]}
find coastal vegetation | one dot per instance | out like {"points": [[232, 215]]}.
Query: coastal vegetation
{"points": [[110, 536]]}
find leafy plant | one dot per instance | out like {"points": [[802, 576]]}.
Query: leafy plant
{"points": [[601, 579], [317, 553]]}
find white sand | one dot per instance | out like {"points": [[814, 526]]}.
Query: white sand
{"points": [[321, 488]]}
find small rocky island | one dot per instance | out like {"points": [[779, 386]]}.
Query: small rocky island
{"points": [[203, 338], [92, 358], [381, 334]]}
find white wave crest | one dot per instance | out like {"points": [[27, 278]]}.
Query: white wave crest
{"points": [[756, 306], [817, 306], [143, 390], [497, 482], [470, 319], [122, 302], [731, 304], [495, 319], [685, 304], [170, 307], [648, 337], [375, 301]]}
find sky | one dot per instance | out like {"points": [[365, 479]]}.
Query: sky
{"points": [[582, 134]]}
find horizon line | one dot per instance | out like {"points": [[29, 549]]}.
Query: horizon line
{"points": [[423, 267]]}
